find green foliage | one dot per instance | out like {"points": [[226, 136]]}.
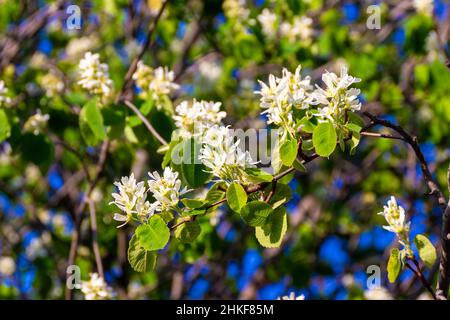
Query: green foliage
{"points": [[154, 235], [236, 197], [427, 252], [288, 152], [394, 265], [141, 260], [255, 213], [5, 127], [194, 172], [324, 139], [188, 231], [272, 232]]}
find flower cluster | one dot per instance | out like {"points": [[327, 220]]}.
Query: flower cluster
{"points": [[223, 156], [267, 20], [192, 119], [299, 30], [52, 84], [424, 6], [96, 288], [36, 123], [4, 99], [235, 9], [94, 76], [396, 219], [281, 95], [166, 189], [155, 82], [132, 195], [337, 98]]}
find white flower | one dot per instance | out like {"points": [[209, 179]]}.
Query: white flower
{"points": [[300, 29], [131, 199], [156, 83], [36, 123], [283, 94], [80, 45], [209, 70], [4, 99], [94, 76], [166, 188], [292, 296], [377, 293], [424, 6], [7, 266], [35, 249], [223, 156], [235, 9], [337, 97], [96, 288], [192, 118], [52, 84], [268, 20], [395, 217]]}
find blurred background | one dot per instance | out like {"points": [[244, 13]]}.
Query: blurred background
{"points": [[218, 50]]}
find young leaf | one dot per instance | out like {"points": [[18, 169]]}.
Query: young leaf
{"points": [[193, 171], [140, 259], [394, 265], [271, 234], [324, 139], [257, 175], [154, 235], [91, 115], [215, 193], [255, 213], [194, 203], [288, 152], [236, 197], [188, 231], [427, 252], [5, 127]]}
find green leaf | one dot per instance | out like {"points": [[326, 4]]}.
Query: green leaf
{"points": [[299, 166], [91, 115], [271, 234], [255, 213], [306, 125], [394, 265], [324, 139], [194, 203], [215, 193], [427, 252], [5, 127], [154, 235], [275, 158], [193, 171], [140, 259], [236, 197], [257, 175], [288, 152], [188, 231]]}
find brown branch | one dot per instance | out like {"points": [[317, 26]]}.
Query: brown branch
{"points": [[95, 246], [418, 273], [412, 141], [146, 122], [444, 264]]}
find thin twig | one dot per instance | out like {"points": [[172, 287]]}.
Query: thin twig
{"points": [[95, 246], [418, 273], [146, 122]]}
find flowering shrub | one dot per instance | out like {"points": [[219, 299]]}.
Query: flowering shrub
{"points": [[164, 142]]}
